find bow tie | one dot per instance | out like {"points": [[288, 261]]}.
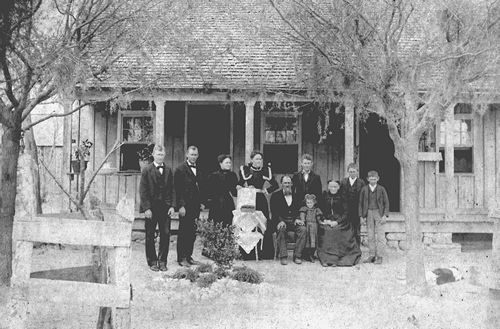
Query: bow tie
{"points": [[161, 167], [192, 166]]}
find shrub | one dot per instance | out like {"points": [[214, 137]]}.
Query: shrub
{"points": [[219, 242], [221, 272], [186, 273], [206, 280], [245, 274], [205, 268]]}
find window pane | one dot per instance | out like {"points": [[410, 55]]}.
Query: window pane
{"points": [[427, 142], [462, 160], [282, 130], [129, 158]]}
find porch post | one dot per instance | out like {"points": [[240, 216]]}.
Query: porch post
{"points": [[449, 162], [66, 151], [249, 124], [160, 121], [349, 133]]}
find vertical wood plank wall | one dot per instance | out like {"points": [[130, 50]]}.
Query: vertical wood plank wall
{"points": [[479, 189]]}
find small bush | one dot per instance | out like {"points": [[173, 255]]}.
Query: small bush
{"points": [[221, 272], [187, 274], [205, 268], [206, 280], [245, 274], [219, 242]]}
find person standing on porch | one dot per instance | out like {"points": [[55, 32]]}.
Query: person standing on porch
{"points": [[156, 193], [256, 174], [221, 188], [350, 188], [188, 184], [374, 209], [306, 181]]}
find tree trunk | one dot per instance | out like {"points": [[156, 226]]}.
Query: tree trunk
{"points": [[31, 148], [8, 184], [415, 269]]}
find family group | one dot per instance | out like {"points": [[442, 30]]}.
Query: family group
{"points": [[324, 225]]}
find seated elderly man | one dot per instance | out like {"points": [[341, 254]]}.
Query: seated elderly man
{"points": [[285, 215]]}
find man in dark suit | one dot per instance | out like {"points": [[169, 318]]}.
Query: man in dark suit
{"points": [[350, 187], [156, 189], [188, 182], [306, 181], [285, 218]]}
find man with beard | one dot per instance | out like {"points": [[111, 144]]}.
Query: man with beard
{"points": [[285, 212]]}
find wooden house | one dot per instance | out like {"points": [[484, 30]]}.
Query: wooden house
{"points": [[245, 93]]}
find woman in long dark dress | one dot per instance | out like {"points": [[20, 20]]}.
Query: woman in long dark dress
{"points": [[336, 240], [221, 186], [256, 174]]}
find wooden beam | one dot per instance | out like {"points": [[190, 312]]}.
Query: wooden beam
{"points": [[120, 276], [489, 159], [449, 162], [478, 160], [249, 127], [74, 232], [82, 293], [160, 121], [190, 95], [349, 134]]}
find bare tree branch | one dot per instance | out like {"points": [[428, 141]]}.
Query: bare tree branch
{"points": [[71, 198], [115, 147]]}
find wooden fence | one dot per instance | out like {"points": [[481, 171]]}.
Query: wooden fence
{"points": [[114, 234]]}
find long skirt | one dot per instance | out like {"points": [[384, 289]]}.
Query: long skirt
{"points": [[337, 246], [265, 248]]}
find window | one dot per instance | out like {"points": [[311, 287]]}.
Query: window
{"points": [[136, 130], [427, 142], [462, 140], [281, 140]]}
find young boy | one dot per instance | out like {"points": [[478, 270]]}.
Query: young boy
{"points": [[310, 216], [374, 208]]}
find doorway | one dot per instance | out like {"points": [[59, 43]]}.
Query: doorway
{"points": [[208, 128], [376, 152]]}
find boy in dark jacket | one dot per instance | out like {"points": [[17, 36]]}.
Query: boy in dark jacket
{"points": [[374, 208]]}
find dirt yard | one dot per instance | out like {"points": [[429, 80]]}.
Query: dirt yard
{"points": [[292, 296]]}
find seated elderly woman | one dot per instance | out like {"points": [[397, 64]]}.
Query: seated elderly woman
{"points": [[336, 240]]}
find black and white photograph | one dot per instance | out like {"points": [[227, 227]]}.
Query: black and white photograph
{"points": [[250, 164]]}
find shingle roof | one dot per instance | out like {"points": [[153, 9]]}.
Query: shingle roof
{"points": [[227, 45]]}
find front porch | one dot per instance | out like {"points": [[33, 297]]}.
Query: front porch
{"points": [[283, 128]]}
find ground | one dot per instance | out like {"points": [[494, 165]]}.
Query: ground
{"points": [[292, 296]]}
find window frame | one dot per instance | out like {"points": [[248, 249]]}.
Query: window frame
{"points": [[134, 114], [281, 114], [471, 146]]}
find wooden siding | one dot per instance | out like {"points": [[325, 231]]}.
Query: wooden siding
{"points": [[477, 190]]}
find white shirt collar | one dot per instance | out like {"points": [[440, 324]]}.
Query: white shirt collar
{"points": [[352, 180], [372, 188]]}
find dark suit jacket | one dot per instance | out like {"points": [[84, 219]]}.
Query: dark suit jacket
{"points": [[352, 199], [188, 187], [382, 201], [312, 186], [149, 187], [280, 211]]}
